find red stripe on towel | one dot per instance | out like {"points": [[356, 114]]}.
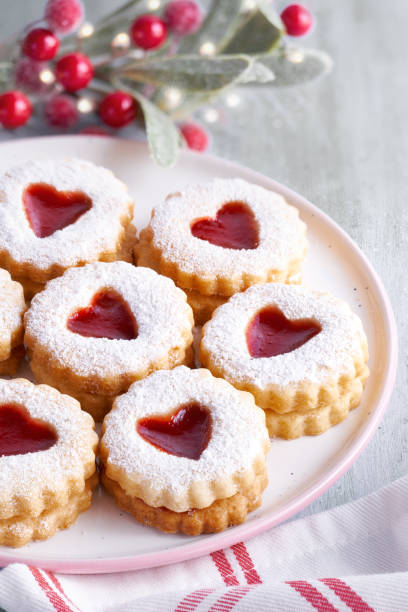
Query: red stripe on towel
{"points": [[347, 595]]}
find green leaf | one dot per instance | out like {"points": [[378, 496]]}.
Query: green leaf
{"points": [[219, 25], [256, 73], [189, 105], [296, 66], [265, 6], [162, 134], [259, 33], [189, 73]]}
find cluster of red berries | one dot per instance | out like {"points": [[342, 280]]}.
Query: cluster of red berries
{"points": [[149, 32], [39, 46], [74, 71]]}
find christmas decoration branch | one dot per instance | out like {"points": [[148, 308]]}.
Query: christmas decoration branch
{"points": [[165, 62]]}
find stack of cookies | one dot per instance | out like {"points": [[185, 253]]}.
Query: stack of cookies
{"points": [[55, 215], [98, 328], [47, 461], [301, 353], [217, 239], [207, 455]]}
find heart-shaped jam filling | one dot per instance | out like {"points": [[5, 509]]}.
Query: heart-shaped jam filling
{"points": [[107, 316], [185, 433], [49, 210], [270, 333], [234, 227], [20, 434]]}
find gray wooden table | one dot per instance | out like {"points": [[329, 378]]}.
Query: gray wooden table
{"points": [[343, 143]]}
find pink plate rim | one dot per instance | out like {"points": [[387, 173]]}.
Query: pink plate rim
{"points": [[248, 530]]}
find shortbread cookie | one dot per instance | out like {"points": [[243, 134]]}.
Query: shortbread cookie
{"points": [[203, 441], [203, 305], [301, 353], [56, 214], [9, 366], [12, 309], [98, 328], [222, 237], [220, 515], [47, 461], [295, 424]]}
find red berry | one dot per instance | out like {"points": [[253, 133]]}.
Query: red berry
{"points": [[27, 75], [40, 44], [148, 32], [64, 16], [297, 20], [15, 109], [195, 136], [61, 111], [94, 130], [117, 109], [183, 16], [74, 71]]}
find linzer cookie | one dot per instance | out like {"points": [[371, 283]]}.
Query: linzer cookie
{"points": [[183, 451], [222, 237], [57, 214], [301, 353], [12, 308], [98, 328], [47, 461]]}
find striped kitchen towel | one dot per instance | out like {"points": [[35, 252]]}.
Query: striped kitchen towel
{"points": [[354, 557]]}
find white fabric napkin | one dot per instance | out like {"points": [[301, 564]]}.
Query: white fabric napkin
{"points": [[354, 557]]}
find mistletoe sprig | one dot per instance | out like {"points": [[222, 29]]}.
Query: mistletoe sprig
{"points": [[163, 58]]}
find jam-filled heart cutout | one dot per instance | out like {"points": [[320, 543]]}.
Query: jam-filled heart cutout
{"points": [[270, 333], [107, 316], [184, 433], [234, 227], [21, 434], [49, 210]]}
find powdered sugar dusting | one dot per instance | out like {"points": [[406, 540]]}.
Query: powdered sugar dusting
{"points": [[25, 476], [332, 351], [12, 306], [281, 232], [160, 309], [94, 232], [237, 438]]}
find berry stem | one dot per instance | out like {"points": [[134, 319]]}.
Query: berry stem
{"points": [[31, 25], [103, 90]]}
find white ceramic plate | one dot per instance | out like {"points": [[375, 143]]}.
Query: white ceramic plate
{"points": [[107, 540]]}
